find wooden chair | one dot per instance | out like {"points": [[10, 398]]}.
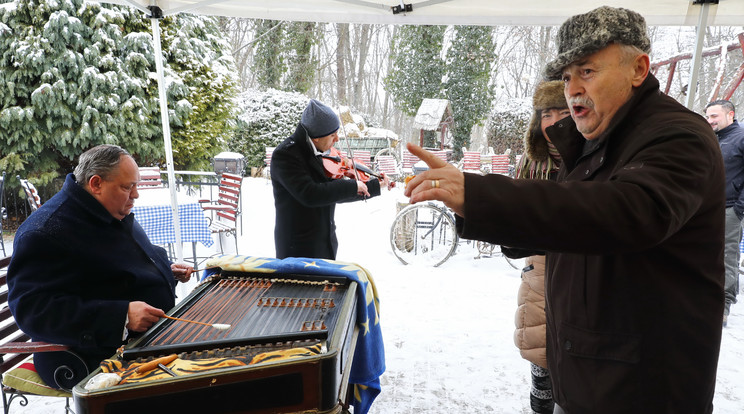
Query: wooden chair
{"points": [[500, 164], [267, 161], [226, 208], [408, 160], [471, 161], [386, 164], [362, 156], [19, 377], [149, 178], [3, 213], [32, 194]]}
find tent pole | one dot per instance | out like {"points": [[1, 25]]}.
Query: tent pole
{"points": [[697, 55], [165, 120]]}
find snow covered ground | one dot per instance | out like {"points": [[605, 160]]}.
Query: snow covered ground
{"points": [[447, 330]]}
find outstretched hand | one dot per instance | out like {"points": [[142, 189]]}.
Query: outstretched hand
{"points": [[443, 182]]}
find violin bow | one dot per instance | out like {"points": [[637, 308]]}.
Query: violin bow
{"points": [[348, 147]]}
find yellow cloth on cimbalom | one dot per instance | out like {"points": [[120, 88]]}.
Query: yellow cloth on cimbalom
{"points": [[128, 370]]}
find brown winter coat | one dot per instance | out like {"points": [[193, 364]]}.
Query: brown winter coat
{"points": [[529, 336], [634, 234]]}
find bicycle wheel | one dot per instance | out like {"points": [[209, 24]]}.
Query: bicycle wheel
{"points": [[423, 234]]}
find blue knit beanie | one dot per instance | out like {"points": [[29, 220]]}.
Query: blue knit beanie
{"points": [[319, 120]]}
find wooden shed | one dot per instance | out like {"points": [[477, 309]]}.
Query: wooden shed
{"points": [[434, 115]]}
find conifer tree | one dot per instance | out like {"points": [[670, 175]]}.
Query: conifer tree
{"points": [[269, 62], [201, 58], [284, 57], [301, 62], [62, 83], [469, 61], [417, 66], [75, 74]]}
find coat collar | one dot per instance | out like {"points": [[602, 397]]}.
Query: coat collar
{"points": [[89, 203], [300, 141]]}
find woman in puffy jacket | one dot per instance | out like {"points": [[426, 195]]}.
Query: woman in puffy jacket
{"points": [[540, 162]]}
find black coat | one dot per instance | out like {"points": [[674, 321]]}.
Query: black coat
{"points": [[634, 235], [305, 200], [74, 270], [731, 140]]}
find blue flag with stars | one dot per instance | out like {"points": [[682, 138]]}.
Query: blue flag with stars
{"points": [[369, 356]]}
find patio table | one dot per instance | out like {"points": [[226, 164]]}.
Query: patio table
{"points": [[153, 212]]}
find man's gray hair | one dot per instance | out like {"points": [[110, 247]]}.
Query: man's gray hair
{"points": [[101, 160]]}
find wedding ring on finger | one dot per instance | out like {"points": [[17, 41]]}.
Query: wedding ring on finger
{"points": [[434, 183]]}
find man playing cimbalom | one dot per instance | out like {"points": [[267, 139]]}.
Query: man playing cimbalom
{"points": [[83, 271], [632, 228], [722, 118]]}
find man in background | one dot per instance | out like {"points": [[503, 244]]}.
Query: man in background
{"points": [[722, 118]]}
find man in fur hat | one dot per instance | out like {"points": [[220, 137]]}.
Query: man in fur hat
{"points": [[304, 196], [632, 228]]}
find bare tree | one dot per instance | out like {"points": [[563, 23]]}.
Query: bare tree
{"points": [[342, 57]]}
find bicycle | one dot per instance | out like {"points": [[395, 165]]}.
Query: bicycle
{"points": [[425, 234]]}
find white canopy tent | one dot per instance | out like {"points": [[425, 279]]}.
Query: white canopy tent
{"points": [[700, 13], [470, 12]]}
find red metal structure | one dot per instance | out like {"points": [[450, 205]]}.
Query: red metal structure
{"points": [[723, 52]]}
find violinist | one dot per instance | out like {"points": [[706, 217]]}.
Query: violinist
{"points": [[305, 193]]}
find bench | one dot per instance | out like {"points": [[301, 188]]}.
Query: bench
{"points": [[18, 377]]}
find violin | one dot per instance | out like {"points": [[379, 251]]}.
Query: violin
{"points": [[339, 166]]}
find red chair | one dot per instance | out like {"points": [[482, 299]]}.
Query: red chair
{"points": [[471, 161], [267, 161], [149, 178], [225, 210], [500, 164], [32, 194]]}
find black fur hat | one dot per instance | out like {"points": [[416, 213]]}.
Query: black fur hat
{"points": [[584, 34]]}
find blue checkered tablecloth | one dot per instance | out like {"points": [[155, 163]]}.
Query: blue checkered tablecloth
{"points": [[157, 221]]}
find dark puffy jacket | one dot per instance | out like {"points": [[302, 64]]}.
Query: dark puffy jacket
{"points": [[731, 140]]}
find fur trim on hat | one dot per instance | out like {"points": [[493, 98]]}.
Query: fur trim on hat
{"points": [[584, 34], [548, 94]]}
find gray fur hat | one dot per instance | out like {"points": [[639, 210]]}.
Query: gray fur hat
{"points": [[584, 34], [548, 94], [319, 120]]}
